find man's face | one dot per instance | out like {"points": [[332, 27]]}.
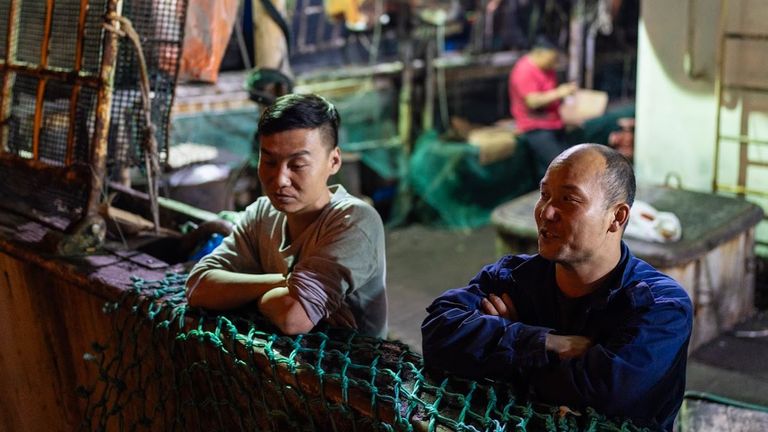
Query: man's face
{"points": [[549, 58], [571, 215], [294, 167]]}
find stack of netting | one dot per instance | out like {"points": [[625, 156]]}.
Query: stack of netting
{"points": [[169, 368]]}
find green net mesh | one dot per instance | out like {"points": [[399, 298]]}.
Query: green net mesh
{"points": [[168, 368], [457, 191], [457, 188]]}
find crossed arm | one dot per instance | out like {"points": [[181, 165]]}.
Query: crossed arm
{"points": [[474, 332], [565, 346], [219, 289], [234, 275]]}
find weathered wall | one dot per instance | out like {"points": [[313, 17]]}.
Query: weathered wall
{"points": [[677, 111]]}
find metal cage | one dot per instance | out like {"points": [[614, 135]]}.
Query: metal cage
{"points": [[70, 111]]}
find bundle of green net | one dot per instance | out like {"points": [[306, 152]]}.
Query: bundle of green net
{"points": [[170, 368]]}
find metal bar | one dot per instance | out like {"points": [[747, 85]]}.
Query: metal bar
{"points": [[755, 163], [589, 52], [746, 88], [742, 190], [743, 147], [576, 41], [747, 36], [719, 90], [743, 139], [38, 118], [319, 33], [76, 174], [301, 41], [689, 58], [172, 101], [73, 99], [55, 73], [41, 84], [80, 47], [46, 41], [405, 98], [10, 54], [98, 156]]}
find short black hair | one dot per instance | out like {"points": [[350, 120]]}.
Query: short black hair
{"points": [[619, 179], [301, 111], [544, 43]]}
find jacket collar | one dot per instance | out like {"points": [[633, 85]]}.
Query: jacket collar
{"points": [[623, 278]]}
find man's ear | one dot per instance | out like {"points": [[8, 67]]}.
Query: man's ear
{"points": [[335, 160], [620, 217]]}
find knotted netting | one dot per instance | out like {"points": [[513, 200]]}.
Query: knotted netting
{"points": [[168, 367]]}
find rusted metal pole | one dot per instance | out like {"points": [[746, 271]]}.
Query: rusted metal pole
{"points": [[73, 98], [55, 73], [10, 56], [98, 156], [41, 84]]}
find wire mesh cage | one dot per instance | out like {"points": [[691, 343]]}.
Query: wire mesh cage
{"points": [[69, 111], [160, 23]]}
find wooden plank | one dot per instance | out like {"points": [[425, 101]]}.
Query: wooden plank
{"points": [[47, 326]]}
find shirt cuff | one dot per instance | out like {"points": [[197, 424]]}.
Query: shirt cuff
{"points": [[530, 346]]}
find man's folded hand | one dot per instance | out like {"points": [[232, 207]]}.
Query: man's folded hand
{"points": [[568, 346], [499, 306]]}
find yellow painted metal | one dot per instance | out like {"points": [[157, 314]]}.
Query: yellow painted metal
{"points": [[744, 141], [741, 190], [719, 90]]}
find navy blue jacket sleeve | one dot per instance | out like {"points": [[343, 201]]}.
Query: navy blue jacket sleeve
{"points": [[458, 337], [633, 369]]}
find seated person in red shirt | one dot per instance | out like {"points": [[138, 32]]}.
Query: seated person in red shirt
{"points": [[535, 101]]}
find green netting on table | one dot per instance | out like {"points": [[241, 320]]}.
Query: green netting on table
{"points": [[462, 192], [169, 368]]}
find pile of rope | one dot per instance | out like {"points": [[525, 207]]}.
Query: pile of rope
{"points": [[169, 368]]}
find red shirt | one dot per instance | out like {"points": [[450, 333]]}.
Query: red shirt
{"points": [[526, 78]]}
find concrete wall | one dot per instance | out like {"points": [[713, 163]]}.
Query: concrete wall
{"points": [[677, 107]]}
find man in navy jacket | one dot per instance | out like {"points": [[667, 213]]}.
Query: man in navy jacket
{"points": [[584, 323]]}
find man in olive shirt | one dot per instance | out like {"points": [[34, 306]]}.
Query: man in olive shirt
{"points": [[305, 252]]}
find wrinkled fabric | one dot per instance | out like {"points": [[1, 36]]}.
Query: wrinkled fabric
{"points": [[337, 265], [640, 322], [524, 79]]}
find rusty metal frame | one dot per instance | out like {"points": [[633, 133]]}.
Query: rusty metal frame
{"points": [[43, 82], [14, 9], [74, 97], [98, 157], [92, 174]]}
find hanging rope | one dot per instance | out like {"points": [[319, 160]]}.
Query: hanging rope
{"points": [[151, 160]]}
